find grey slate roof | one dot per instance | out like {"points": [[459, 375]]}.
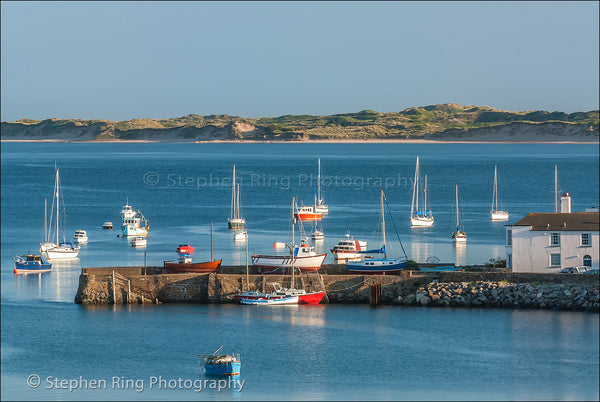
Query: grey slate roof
{"points": [[574, 221]]}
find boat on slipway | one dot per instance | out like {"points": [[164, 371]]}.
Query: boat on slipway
{"points": [[379, 266], [280, 296], [185, 264], [221, 364]]}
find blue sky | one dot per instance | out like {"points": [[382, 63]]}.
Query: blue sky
{"points": [[124, 60]]}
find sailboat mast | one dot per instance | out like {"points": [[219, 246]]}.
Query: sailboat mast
{"points": [[457, 224], [247, 275], [425, 194], [233, 195], [555, 189], [57, 209], [383, 225], [237, 202], [211, 242], [319, 182], [45, 220], [293, 240], [495, 194], [415, 188]]}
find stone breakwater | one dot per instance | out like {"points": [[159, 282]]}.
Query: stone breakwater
{"points": [[134, 285], [580, 297]]}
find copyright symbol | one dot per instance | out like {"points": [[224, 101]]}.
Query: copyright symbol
{"points": [[33, 381], [151, 179]]}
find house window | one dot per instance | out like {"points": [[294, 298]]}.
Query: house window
{"points": [[586, 239], [508, 260], [555, 239], [555, 260], [509, 237], [587, 261]]}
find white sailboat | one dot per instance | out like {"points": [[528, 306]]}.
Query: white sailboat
{"points": [[318, 234], [496, 214], [320, 205], [459, 236], [57, 250], [235, 220], [419, 216]]}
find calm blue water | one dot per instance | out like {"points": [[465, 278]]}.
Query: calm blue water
{"points": [[319, 352]]}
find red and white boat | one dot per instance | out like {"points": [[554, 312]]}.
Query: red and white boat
{"points": [[308, 214], [348, 249], [280, 296], [305, 259], [185, 249]]}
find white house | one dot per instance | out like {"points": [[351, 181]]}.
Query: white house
{"points": [[549, 242]]}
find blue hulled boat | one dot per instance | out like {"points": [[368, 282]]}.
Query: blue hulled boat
{"points": [[380, 266], [216, 364], [31, 264]]}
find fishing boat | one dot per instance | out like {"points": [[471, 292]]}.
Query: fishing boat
{"points": [[420, 216], [321, 206], [379, 265], [185, 264], [80, 236], [302, 257], [495, 213], [132, 222], [139, 241], [459, 236], [442, 268], [185, 249], [348, 249], [221, 364], [107, 225], [308, 213], [280, 296], [56, 250], [235, 220], [31, 264]]}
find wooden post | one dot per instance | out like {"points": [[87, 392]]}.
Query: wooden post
{"points": [[113, 288], [375, 294]]}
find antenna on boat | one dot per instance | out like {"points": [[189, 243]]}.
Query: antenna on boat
{"points": [[247, 276]]}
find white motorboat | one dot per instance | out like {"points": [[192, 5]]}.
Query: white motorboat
{"points": [[139, 241], [348, 249], [80, 236]]}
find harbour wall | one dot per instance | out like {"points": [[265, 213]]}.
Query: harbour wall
{"points": [[133, 285]]}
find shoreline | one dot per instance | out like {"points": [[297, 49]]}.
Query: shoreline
{"points": [[388, 141]]}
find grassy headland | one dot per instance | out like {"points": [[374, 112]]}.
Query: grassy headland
{"points": [[446, 122]]}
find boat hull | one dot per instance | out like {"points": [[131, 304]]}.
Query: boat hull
{"points": [[231, 368], [199, 267], [416, 221], [307, 298], [129, 230], [309, 216], [277, 264], [61, 253], [377, 267], [499, 215], [271, 301]]}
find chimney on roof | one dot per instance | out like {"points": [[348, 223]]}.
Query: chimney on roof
{"points": [[565, 203]]}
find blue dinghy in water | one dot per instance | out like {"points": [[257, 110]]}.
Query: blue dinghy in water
{"points": [[216, 364]]}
